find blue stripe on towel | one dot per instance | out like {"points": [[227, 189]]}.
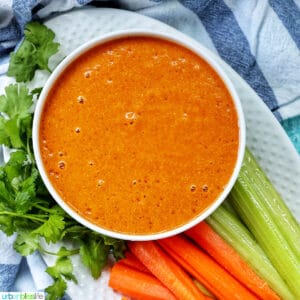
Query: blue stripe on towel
{"points": [[292, 127], [232, 45], [10, 272], [289, 14]]}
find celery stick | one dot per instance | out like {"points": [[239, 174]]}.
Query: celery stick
{"points": [[257, 217], [277, 208], [235, 233], [226, 204]]}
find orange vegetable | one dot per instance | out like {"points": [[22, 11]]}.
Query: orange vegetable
{"points": [[166, 270], [205, 269], [229, 259], [187, 267], [138, 285], [131, 261]]}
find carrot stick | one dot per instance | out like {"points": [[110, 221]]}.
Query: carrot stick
{"points": [[131, 261], [166, 270], [204, 290], [136, 284], [187, 267], [229, 259], [206, 270]]}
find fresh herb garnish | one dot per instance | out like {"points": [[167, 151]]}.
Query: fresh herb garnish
{"points": [[15, 122], [34, 52], [26, 207]]}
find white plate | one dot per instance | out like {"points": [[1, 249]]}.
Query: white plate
{"points": [[265, 136]]}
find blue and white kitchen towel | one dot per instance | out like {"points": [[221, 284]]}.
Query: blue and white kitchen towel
{"points": [[259, 39]]}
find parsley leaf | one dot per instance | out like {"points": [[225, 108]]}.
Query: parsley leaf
{"points": [[7, 224], [63, 267], [23, 202], [22, 63], [26, 242], [60, 272], [42, 38], [5, 196], [52, 229], [118, 247], [36, 91], [34, 52], [57, 289], [15, 120], [94, 253], [17, 101], [4, 138]]}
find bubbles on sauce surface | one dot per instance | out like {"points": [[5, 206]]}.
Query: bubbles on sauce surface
{"points": [[204, 187], [46, 149], [87, 74], [96, 67], [130, 115], [88, 211], [184, 116], [61, 153], [81, 99], [180, 60], [54, 174], [100, 182], [61, 164], [77, 129], [134, 182], [193, 187], [196, 67], [109, 81]]}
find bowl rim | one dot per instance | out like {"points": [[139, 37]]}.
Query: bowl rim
{"points": [[187, 43]]}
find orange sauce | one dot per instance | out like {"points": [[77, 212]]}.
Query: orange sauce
{"points": [[139, 135]]}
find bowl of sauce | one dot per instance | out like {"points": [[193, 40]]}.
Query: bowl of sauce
{"points": [[139, 135]]}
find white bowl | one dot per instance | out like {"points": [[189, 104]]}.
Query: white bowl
{"points": [[194, 47]]}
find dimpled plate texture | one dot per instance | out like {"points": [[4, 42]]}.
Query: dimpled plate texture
{"points": [[265, 136]]}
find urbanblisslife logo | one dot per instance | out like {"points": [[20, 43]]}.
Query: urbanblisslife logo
{"points": [[22, 296]]}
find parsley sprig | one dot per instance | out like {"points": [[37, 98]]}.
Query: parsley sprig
{"points": [[26, 207], [34, 52]]}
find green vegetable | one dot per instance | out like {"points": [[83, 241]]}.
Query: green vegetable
{"points": [[265, 225], [26, 207], [60, 272], [234, 232], [34, 52], [273, 202], [15, 121], [63, 266]]}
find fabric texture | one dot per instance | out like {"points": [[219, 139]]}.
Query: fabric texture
{"points": [[248, 35]]}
